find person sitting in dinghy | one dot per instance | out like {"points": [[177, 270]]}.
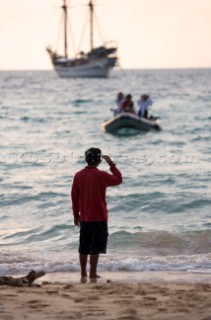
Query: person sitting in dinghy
{"points": [[144, 103], [128, 105], [119, 101]]}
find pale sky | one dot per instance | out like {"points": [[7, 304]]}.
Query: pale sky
{"points": [[149, 33]]}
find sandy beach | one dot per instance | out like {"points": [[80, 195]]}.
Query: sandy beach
{"points": [[129, 297]]}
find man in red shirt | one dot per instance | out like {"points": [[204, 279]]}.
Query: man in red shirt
{"points": [[89, 208]]}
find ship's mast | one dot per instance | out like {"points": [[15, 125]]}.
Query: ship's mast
{"points": [[91, 7], [64, 7]]}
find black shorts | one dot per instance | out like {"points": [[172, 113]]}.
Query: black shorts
{"points": [[93, 237]]}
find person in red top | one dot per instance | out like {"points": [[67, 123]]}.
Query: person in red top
{"points": [[128, 104], [90, 212]]}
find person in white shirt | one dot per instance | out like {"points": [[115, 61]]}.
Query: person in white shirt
{"points": [[144, 102], [119, 101]]}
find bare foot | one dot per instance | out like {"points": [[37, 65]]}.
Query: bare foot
{"points": [[93, 278], [83, 274], [84, 279]]}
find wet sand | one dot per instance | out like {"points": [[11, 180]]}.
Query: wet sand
{"points": [[122, 295]]}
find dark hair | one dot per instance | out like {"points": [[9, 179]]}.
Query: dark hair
{"points": [[93, 156]]}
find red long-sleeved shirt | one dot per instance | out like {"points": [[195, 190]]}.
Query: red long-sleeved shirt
{"points": [[89, 192]]}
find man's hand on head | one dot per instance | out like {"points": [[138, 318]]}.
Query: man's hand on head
{"points": [[107, 159]]}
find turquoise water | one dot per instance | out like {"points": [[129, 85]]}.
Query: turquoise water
{"points": [[160, 217]]}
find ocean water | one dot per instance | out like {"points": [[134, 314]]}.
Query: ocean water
{"points": [[159, 218]]}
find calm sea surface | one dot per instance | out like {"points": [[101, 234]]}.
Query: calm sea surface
{"points": [[160, 217]]}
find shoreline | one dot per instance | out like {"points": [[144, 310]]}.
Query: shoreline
{"points": [[117, 295], [133, 277]]}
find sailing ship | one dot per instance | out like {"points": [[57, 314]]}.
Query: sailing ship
{"points": [[96, 63]]}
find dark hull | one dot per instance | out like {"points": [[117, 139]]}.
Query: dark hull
{"points": [[128, 120]]}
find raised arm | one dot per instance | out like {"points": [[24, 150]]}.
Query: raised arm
{"points": [[115, 178]]}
